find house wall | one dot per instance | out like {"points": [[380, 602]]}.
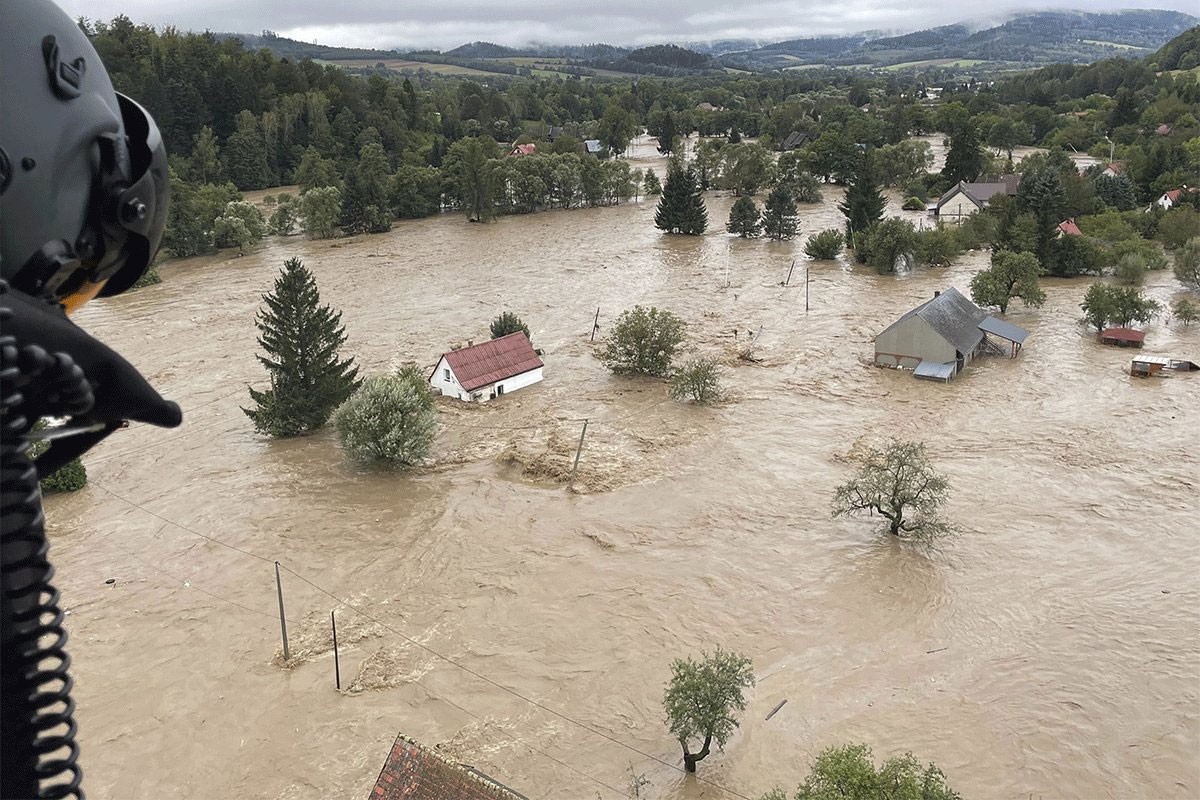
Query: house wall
{"points": [[908, 342], [957, 207], [510, 384], [451, 387]]}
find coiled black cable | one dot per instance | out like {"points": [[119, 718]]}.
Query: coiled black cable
{"points": [[39, 754]]}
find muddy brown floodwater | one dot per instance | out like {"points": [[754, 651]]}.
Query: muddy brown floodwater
{"points": [[1050, 651]]}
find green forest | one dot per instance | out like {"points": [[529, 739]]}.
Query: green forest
{"points": [[367, 149]]}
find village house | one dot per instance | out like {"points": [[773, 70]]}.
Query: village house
{"points": [[1067, 228], [708, 107], [593, 146], [523, 150], [942, 335], [482, 372], [964, 199], [794, 140], [412, 772], [1114, 169], [1171, 198]]}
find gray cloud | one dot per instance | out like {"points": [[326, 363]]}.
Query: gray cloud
{"points": [[443, 24]]}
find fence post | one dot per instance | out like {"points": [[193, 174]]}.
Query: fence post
{"points": [[337, 666], [282, 619]]}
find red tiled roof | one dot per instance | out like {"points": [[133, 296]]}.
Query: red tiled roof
{"points": [[524, 150], [488, 362], [413, 773], [1164, 129], [1123, 334], [1068, 227], [1115, 168]]}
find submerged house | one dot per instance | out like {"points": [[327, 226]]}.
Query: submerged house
{"points": [[481, 372], [964, 199], [413, 772], [942, 335]]}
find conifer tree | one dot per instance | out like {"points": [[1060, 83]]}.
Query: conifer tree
{"points": [[681, 209], [301, 339], [744, 218], [365, 207], [965, 158], [246, 155], [780, 220], [864, 202]]}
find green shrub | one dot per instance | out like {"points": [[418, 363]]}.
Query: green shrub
{"points": [[698, 380], [70, 477], [913, 203], [507, 323], [149, 277], [824, 245], [390, 421], [643, 341]]}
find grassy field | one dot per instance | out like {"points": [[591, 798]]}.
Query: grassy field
{"points": [[404, 65], [936, 62], [1117, 45]]}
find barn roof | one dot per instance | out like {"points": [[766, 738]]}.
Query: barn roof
{"points": [[1123, 334], [411, 772], [488, 362], [954, 317], [977, 193]]}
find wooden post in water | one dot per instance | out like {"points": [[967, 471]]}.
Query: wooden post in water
{"points": [[578, 450], [807, 270], [789, 277], [595, 325], [282, 620], [337, 667]]}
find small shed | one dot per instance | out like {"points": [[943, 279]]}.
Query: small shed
{"points": [[482, 372], [593, 146], [1122, 337], [1011, 338], [1147, 366], [794, 140]]}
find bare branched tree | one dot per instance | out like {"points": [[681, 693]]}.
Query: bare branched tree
{"points": [[899, 484]]}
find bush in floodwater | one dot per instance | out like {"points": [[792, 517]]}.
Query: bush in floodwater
{"points": [[898, 483], [507, 323], [913, 203], [70, 477], [390, 421], [643, 341], [848, 773], [824, 245], [698, 380]]}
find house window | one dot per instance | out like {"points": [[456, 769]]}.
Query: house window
{"points": [[499, 388], [446, 373]]}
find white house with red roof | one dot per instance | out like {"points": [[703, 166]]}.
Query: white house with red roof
{"points": [[484, 371], [1171, 198]]}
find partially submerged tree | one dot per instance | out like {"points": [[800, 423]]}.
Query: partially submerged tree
{"points": [[744, 218], [864, 203], [1117, 305], [301, 339], [1130, 269], [643, 341], [698, 380], [319, 210], [1185, 311], [898, 483], [240, 225], [1010, 275], [283, 219], [507, 323], [824, 245], [390, 421], [681, 208], [1187, 264], [889, 246], [780, 220], [650, 183], [848, 773], [702, 699]]}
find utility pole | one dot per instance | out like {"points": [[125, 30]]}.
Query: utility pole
{"points": [[807, 270], [578, 450], [789, 277], [337, 667], [282, 620]]}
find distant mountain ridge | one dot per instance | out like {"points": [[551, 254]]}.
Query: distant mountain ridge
{"points": [[1028, 39]]}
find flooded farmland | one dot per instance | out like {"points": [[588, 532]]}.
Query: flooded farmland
{"points": [[1049, 651]]}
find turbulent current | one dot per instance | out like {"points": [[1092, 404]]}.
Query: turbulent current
{"points": [[1051, 650]]}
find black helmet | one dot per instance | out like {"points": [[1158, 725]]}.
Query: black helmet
{"points": [[83, 170]]}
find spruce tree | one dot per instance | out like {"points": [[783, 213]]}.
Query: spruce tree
{"points": [[681, 208], [780, 220], [365, 206], [744, 218], [301, 338], [246, 155], [864, 202], [965, 158]]}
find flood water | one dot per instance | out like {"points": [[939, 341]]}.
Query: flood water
{"points": [[1049, 651]]}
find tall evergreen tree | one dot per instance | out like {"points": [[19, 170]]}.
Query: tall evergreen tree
{"points": [[246, 155], [780, 220], [365, 206], [206, 157], [1043, 194], [864, 202], [681, 209], [965, 158], [301, 339], [744, 218]]}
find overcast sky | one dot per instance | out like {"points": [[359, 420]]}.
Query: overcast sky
{"points": [[444, 24]]}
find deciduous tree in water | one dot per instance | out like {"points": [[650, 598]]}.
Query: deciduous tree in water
{"points": [[702, 699], [1010, 275], [899, 484], [301, 339]]}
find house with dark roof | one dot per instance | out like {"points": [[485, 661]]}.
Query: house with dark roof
{"points": [[554, 132], [942, 335], [482, 372], [593, 146], [964, 199], [413, 772], [794, 140]]}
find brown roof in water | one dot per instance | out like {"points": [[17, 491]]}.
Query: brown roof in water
{"points": [[411, 772], [488, 362]]}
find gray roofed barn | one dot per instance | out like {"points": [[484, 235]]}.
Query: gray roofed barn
{"points": [[943, 335]]}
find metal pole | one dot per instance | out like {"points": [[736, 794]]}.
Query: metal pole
{"points": [[578, 450], [337, 667], [282, 620], [806, 271]]}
